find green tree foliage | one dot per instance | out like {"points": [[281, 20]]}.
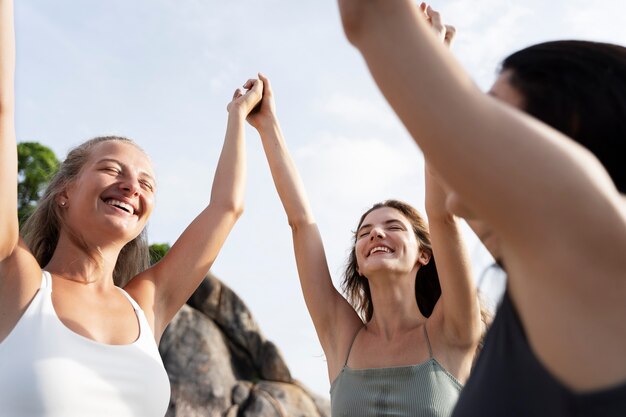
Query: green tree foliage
{"points": [[158, 251], [36, 166]]}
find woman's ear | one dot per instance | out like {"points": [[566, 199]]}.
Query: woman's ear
{"points": [[62, 199], [423, 257]]}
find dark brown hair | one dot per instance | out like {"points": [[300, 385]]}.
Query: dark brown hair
{"points": [[578, 88]]}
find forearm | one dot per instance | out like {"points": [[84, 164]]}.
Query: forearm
{"points": [[8, 148], [481, 148], [285, 175], [229, 181]]}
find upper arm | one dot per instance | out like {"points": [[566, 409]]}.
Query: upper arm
{"points": [[334, 318], [458, 307], [20, 278], [9, 229], [166, 286]]}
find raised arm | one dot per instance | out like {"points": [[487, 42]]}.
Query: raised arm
{"points": [[334, 319], [165, 287], [484, 149], [458, 308], [9, 229]]}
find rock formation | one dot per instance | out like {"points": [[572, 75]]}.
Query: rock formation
{"points": [[220, 365]]}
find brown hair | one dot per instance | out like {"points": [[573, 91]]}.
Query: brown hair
{"points": [[41, 230], [427, 288]]}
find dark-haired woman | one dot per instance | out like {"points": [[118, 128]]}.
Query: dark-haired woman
{"points": [[386, 354], [558, 222], [72, 343]]}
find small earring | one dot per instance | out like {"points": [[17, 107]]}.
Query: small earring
{"points": [[63, 203]]}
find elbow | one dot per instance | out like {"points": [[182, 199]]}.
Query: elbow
{"points": [[236, 210], [353, 14], [299, 222], [232, 210]]}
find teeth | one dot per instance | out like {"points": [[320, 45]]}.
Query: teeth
{"points": [[124, 206], [379, 249]]}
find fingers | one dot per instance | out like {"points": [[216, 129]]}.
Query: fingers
{"points": [[444, 32], [435, 19], [267, 87], [450, 34], [238, 93]]}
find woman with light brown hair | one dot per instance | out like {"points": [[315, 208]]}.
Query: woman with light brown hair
{"points": [[404, 341]]}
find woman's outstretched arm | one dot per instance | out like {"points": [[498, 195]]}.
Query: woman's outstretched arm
{"points": [[9, 229], [559, 217], [504, 164], [165, 287], [334, 319]]}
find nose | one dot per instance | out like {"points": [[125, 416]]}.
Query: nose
{"points": [[130, 186], [376, 232]]}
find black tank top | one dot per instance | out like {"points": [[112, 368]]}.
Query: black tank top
{"points": [[508, 380]]}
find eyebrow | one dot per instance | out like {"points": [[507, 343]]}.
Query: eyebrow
{"points": [[115, 161], [363, 226]]}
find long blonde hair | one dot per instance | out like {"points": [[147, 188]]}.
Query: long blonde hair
{"points": [[41, 230]]}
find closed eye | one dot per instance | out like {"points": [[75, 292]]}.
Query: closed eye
{"points": [[147, 185], [111, 170]]}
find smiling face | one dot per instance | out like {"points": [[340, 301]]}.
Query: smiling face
{"points": [[385, 241], [112, 197]]}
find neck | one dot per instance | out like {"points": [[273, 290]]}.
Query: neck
{"points": [[395, 308], [93, 265]]}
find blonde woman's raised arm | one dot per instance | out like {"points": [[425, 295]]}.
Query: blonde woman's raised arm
{"points": [[9, 229], [165, 287]]}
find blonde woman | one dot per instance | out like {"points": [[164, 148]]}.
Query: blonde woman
{"points": [[72, 343]]}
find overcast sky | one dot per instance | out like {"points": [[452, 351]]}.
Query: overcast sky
{"points": [[162, 72]]}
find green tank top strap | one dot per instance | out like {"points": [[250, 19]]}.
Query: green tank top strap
{"points": [[352, 343], [430, 350]]}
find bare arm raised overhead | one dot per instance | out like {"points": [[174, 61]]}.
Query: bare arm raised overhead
{"points": [[334, 319], [458, 309], [524, 178], [8, 150], [165, 287]]}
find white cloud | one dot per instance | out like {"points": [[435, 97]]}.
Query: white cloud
{"points": [[361, 110]]}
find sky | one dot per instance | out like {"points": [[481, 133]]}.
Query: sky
{"points": [[162, 72]]}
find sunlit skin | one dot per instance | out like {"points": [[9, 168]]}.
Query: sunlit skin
{"points": [[505, 92], [387, 227], [116, 172]]}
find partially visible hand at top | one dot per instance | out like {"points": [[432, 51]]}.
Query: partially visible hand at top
{"points": [[444, 32]]}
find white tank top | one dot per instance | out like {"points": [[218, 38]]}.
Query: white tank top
{"points": [[47, 370]]}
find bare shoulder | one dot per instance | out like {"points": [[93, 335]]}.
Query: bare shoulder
{"points": [[345, 331], [572, 307], [20, 279]]}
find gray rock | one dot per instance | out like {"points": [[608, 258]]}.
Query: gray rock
{"points": [[220, 364]]}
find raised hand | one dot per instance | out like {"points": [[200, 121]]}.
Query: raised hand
{"points": [[244, 100], [265, 112], [444, 32]]}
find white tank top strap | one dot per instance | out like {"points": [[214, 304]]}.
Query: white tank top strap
{"points": [[46, 280], [132, 301]]}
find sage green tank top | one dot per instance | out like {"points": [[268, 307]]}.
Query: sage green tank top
{"points": [[422, 390]]}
